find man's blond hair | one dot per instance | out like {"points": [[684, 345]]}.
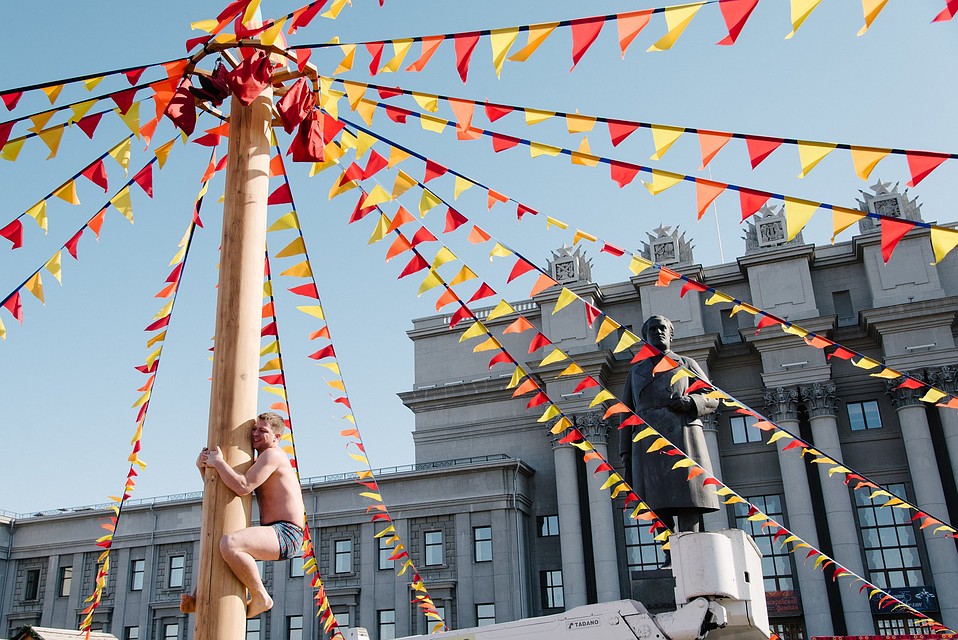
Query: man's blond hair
{"points": [[275, 422]]}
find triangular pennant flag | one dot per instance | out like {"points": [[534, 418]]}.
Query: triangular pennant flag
{"points": [[429, 46], [662, 180], [123, 203], [706, 192], [921, 163], [584, 33], [841, 220], [35, 286], [465, 44], [760, 147], [942, 241], [121, 153], [622, 173], [53, 266], [501, 41], [96, 173], [537, 35], [144, 179], [711, 142], [811, 153], [677, 18], [51, 138], [801, 9], [797, 214], [400, 51], [892, 231], [566, 297], [630, 25], [865, 158], [663, 138], [68, 192], [751, 201], [871, 9], [736, 14], [14, 233]]}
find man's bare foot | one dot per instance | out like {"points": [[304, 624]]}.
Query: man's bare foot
{"points": [[188, 603], [258, 604]]}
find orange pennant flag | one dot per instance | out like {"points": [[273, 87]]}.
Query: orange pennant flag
{"points": [[711, 142], [706, 192], [429, 46], [537, 35], [865, 159], [630, 25]]}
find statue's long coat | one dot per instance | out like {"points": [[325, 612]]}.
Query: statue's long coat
{"points": [[666, 490]]}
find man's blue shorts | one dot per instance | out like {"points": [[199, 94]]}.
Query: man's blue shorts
{"points": [[290, 537]]}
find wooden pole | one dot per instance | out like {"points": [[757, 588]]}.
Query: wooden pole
{"points": [[220, 597]]}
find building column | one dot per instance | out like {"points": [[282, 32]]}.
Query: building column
{"points": [[946, 379], [570, 526], [923, 468], [819, 399], [600, 512], [717, 519], [782, 406]]}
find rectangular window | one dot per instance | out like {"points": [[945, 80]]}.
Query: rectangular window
{"points": [[441, 610], [642, 551], [131, 633], [482, 536], [888, 626], [343, 556], [385, 552], [171, 631], [743, 429], [485, 614], [253, 629], [296, 567], [65, 580], [342, 618], [434, 551], [386, 624], [137, 567], [31, 586], [776, 560], [843, 308], [788, 628], [548, 526], [550, 588], [730, 332], [294, 627], [889, 542], [177, 570], [863, 415]]}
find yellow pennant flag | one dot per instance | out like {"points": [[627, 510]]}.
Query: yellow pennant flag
{"points": [[301, 270], [40, 120], [427, 101], [871, 9], [582, 235], [335, 9], [313, 310], [537, 35], [499, 251], [329, 100], [77, 111], [842, 219], [431, 281], [517, 375], [39, 213], [400, 49], [552, 222], [608, 326], [943, 241], [354, 93], [443, 256], [811, 153], [364, 142], [381, 230], [53, 266], [865, 159], [272, 347], [3, 331], [501, 41], [272, 34], [375, 197], [123, 203], [561, 425], [501, 309], [677, 18], [349, 56], [797, 214], [549, 413], [801, 9], [294, 248], [627, 340], [663, 138], [396, 155], [157, 338], [430, 123], [537, 149], [662, 180], [577, 123], [35, 286], [572, 370], [11, 149], [68, 192], [566, 297], [271, 365], [601, 397], [366, 111], [51, 138], [933, 395], [427, 202], [131, 118], [866, 363], [535, 116], [52, 92], [404, 182], [163, 151], [717, 297], [121, 153], [464, 274], [91, 83], [286, 221], [487, 345], [461, 185], [474, 331], [638, 264], [583, 156]]}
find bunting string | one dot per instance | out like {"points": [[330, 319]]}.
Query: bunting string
{"points": [[355, 446]]}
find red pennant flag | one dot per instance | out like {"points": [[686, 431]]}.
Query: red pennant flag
{"points": [[691, 285], [11, 99], [502, 142], [448, 296], [306, 290], [766, 321], [124, 99], [461, 313], [269, 330], [751, 201], [96, 173], [522, 209], [423, 235], [144, 369], [949, 12], [396, 114], [465, 44], [14, 233], [388, 92], [5, 129], [343, 401], [892, 231], [302, 17], [619, 131], [274, 379], [295, 105], [325, 352], [331, 128], [282, 195], [921, 163], [736, 14], [631, 421], [584, 33], [842, 353], [144, 178], [587, 382], [539, 398], [374, 165], [433, 170], [622, 174], [159, 324], [591, 313], [522, 266], [500, 358], [307, 145], [614, 250], [484, 291], [454, 220], [418, 263], [495, 111], [181, 110], [375, 50], [175, 273], [759, 148], [574, 435], [697, 385], [232, 10], [302, 57], [200, 40], [12, 304], [353, 173], [603, 466], [646, 352], [910, 383], [250, 77], [89, 123], [538, 342]]}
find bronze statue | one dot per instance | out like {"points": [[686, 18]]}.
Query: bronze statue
{"points": [[674, 413]]}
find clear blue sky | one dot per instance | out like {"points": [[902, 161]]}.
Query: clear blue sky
{"points": [[67, 378]]}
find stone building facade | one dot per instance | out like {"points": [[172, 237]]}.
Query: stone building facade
{"points": [[520, 526]]}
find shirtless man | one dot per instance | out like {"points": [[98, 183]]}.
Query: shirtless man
{"points": [[281, 511]]}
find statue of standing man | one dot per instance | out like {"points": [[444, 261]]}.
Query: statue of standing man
{"points": [[676, 414]]}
